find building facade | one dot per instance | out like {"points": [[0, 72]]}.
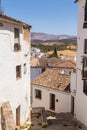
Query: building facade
{"points": [[52, 91], [15, 66], [79, 80], [53, 100]]}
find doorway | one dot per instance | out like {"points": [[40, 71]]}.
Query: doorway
{"points": [[72, 105], [18, 116], [52, 101]]}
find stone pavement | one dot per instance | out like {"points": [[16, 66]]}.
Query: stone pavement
{"points": [[59, 122]]}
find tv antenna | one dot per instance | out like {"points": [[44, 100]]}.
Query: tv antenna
{"points": [[1, 11]]}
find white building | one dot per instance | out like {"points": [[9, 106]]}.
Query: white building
{"points": [[79, 80], [52, 91], [15, 66], [66, 66], [35, 52]]}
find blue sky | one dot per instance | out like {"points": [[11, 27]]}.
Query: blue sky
{"points": [[47, 16]]}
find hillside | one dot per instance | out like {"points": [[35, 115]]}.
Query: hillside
{"points": [[42, 38]]}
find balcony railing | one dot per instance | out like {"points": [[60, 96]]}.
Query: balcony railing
{"points": [[17, 47]]}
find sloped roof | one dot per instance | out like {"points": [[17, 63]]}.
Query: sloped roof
{"points": [[14, 20], [54, 60], [38, 62], [43, 62], [65, 64], [51, 78]]}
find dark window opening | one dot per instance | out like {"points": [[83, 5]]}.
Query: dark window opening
{"points": [[85, 47], [84, 71], [85, 16], [43, 69], [1, 24], [85, 86], [18, 72], [16, 35], [37, 93], [17, 46]]}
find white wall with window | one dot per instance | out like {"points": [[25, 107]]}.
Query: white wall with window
{"points": [[81, 72], [54, 100], [15, 84]]}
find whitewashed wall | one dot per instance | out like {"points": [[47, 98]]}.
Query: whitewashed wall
{"points": [[81, 98], [63, 104], [73, 83], [17, 92]]}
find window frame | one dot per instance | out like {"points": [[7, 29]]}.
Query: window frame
{"points": [[24, 68], [84, 69], [18, 72], [85, 87], [85, 46], [17, 46], [38, 94]]}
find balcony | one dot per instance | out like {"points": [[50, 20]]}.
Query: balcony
{"points": [[17, 47]]}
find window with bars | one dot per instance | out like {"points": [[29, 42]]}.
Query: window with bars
{"points": [[17, 46]]}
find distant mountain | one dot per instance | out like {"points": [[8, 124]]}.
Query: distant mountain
{"points": [[43, 37]]}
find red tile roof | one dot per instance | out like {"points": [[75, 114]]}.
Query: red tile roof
{"points": [[52, 78]]}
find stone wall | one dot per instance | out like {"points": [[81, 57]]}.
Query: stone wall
{"points": [[7, 120]]}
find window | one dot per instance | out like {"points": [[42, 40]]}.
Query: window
{"points": [[16, 35], [43, 69], [37, 93], [17, 46], [85, 86], [85, 16], [85, 46], [84, 72], [18, 72], [25, 68], [1, 24]]}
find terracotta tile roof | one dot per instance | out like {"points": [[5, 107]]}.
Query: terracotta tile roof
{"points": [[14, 20], [65, 64], [51, 78], [43, 62], [54, 60], [38, 62]]}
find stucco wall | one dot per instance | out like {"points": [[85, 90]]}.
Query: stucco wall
{"points": [[81, 98], [63, 104], [17, 92]]}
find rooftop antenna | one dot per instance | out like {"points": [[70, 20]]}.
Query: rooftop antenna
{"points": [[1, 11]]}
